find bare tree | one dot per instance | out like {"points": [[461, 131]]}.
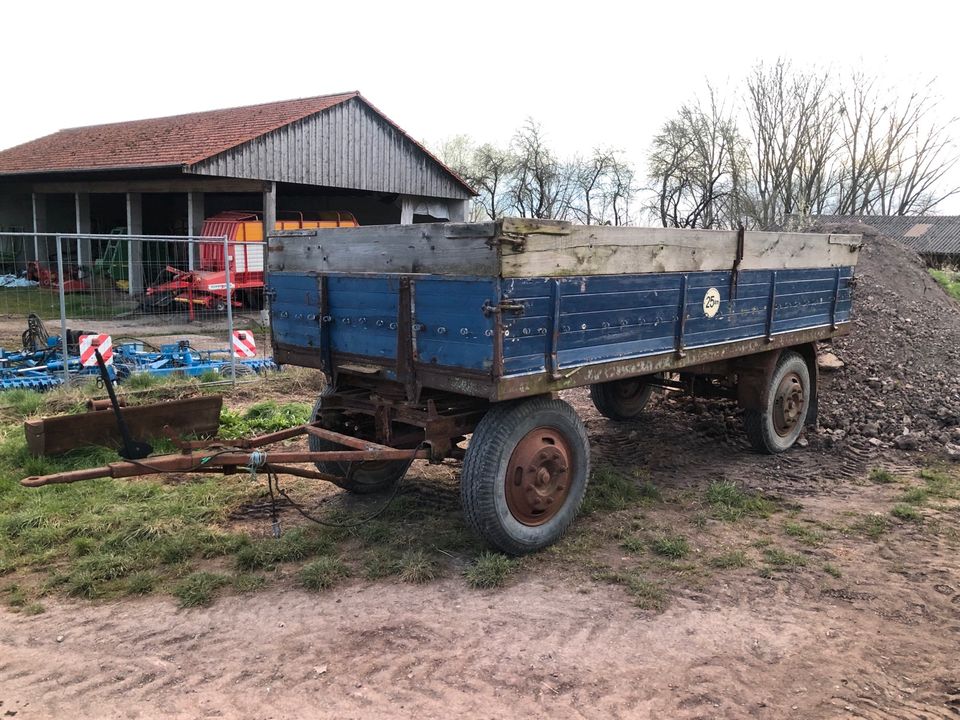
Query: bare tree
{"points": [[543, 185], [693, 168], [529, 180], [792, 123]]}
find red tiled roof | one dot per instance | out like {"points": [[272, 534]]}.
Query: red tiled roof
{"points": [[159, 142]]}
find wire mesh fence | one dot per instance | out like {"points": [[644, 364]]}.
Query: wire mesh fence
{"points": [[168, 306]]}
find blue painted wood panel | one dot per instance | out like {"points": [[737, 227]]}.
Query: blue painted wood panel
{"points": [[601, 318]]}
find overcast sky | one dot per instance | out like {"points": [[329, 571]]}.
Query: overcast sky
{"points": [[593, 73]]}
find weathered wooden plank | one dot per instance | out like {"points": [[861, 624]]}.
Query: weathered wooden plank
{"points": [[57, 435], [538, 248], [387, 249], [601, 250]]}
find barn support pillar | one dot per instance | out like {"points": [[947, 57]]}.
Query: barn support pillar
{"points": [[39, 226], [459, 210], [81, 202], [407, 204], [135, 250], [269, 209], [195, 211]]}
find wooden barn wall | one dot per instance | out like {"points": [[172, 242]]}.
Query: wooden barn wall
{"points": [[346, 146]]}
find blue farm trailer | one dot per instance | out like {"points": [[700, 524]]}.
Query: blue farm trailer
{"points": [[430, 333]]}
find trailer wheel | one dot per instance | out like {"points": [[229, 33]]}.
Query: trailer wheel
{"points": [[525, 474], [362, 478], [621, 399], [777, 426]]}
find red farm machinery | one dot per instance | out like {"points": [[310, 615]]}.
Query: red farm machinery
{"points": [[206, 286]]}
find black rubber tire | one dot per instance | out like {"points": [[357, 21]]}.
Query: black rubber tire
{"points": [[621, 399], [759, 424], [362, 478], [483, 476]]}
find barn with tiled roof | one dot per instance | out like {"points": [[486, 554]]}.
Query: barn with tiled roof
{"points": [[935, 237], [163, 176]]}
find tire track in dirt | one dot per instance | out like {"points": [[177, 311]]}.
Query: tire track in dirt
{"points": [[536, 649]]}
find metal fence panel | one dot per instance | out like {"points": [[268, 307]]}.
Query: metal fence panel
{"points": [[171, 305]]}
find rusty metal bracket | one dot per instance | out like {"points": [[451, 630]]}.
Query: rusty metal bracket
{"points": [[682, 319], [516, 241], [406, 341], [735, 271], [771, 306], [326, 357], [836, 300], [553, 364], [488, 308]]}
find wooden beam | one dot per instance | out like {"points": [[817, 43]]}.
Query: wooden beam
{"points": [[195, 216], [81, 203], [39, 224], [171, 185], [270, 208], [454, 248], [135, 247]]}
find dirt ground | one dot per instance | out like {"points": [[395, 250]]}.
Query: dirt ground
{"points": [[879, 641]]}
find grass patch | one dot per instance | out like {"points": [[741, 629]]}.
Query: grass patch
{"points": [[416, 566], [634, 544], [108, 538], [21, 403], [941, 484], [323, 573], [729, 502], [489, 570], [907, 513], [730, 560], [609, 490], [881, 476], [915, 496], [949, 281], [142, 381], [872, 526], [297, 544], [248, 582], [264, 417], [805, 534], [671, 546], [832, 570], [141, 583], [646, 595], [380, 564], [780, 558], [199, 589]]}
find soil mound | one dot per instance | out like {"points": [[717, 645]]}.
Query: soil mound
{"points": [[899, 384]]}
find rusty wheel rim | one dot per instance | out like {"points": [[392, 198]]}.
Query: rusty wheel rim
{"points": [[538, 478], [788, 404]]}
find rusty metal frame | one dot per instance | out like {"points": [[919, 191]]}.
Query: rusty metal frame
{"points": [[231, 456]]}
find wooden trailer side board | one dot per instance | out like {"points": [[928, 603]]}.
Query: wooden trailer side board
{"points": [[435, 248], [514, 248], [532, 249]]}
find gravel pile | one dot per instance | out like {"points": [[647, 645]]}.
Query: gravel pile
{"points": [[898, 387]]}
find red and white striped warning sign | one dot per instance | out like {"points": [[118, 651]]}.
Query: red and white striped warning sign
{"points": [[243, 344], [89, 343]]}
